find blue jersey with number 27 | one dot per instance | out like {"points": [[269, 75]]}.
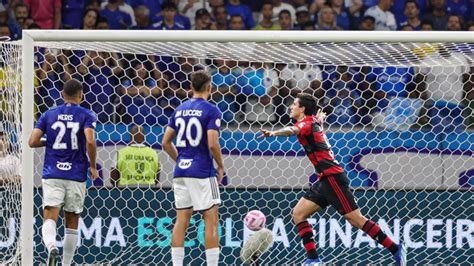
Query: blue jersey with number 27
{"points": [[191, 121], [64, 127]]}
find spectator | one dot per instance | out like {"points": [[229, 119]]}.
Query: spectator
{"points": [[10, 164], [278, 6], [308, 26], [459, 7], [140, 95], [189, 8], [235, 7], [426, 25], [102, 23], [223, 80], [267, 13], [116, 18], [142, 17], [302, 18], [443, 74], [327, 19], [124, 7], [21, 13], [343, 19], [73, 13], [94, 4], [15, 29], [412, 12], [99, 71], [446, 84], [384, 19], [236, 22], [355, 7], [438, 15], [407, 28], [253, 86], [45, 13], [89, 21], [398, 8], [153, 5], [302, 78], [5, 31], [168, 21], [339, 101], [455, 23], [51, 75], [367, 23], [220, 15], [136, 164], [203, 20], [284, 19]]}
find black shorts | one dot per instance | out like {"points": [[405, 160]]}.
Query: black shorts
{"points": [[333, 190]]}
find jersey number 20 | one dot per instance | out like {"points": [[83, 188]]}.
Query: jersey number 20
{"points": [[74, 126], [186, 129]]}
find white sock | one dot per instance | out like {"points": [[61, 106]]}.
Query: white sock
{"points": [[69, 248], [49, 234], [177, 256], [212, 256]]}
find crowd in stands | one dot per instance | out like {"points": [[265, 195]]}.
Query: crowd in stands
{"points": [[146, 89]]}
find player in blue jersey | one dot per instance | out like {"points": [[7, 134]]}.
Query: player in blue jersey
{"points": [[70, 132], [195, 124]]}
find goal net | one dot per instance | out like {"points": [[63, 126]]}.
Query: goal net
{"points": [[400, 120]]}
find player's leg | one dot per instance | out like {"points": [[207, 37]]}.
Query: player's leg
{"points": [[53, 199], [312, 202], [184, 211], [206, 199], [336, 189], [211, 222], [180, 228], [70, 237], [73, 207]]}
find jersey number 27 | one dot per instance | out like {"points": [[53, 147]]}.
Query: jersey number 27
{"points": [[58, 144]]}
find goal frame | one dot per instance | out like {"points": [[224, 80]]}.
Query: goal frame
{"points": [[30, 37]]}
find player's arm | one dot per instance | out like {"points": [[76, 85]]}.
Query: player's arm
{"points": [[91, 148], [35, 140], [215, 148], [168, 145], [286, 131]]}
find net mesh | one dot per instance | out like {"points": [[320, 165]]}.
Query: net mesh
{"points": [[400, 122], [10, 153]]}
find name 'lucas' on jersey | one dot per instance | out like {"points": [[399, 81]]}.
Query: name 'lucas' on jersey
{"points": [[191, 121], [317, 147]]}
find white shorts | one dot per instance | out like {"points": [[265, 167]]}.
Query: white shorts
{"points": [[67, 193], [199, 194]]}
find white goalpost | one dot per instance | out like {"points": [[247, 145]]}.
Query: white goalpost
{"points": [[402, 134]]}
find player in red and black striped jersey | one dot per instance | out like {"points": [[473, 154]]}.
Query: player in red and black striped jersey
{"points": [[332, 187]]}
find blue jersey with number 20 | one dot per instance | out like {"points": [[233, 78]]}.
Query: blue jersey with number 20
{"points": [[191, 121], [64, 127]]}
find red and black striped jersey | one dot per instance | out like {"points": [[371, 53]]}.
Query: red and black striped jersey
{"points": [[317, 147]]}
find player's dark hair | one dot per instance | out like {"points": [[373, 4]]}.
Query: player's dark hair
{"points": [[200, 79], [308, 102], [72, 87]]}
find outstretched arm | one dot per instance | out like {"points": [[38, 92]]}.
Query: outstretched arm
{"points": [[287, 131]]}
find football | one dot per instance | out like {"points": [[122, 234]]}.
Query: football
{"points": [[255, 220]]}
